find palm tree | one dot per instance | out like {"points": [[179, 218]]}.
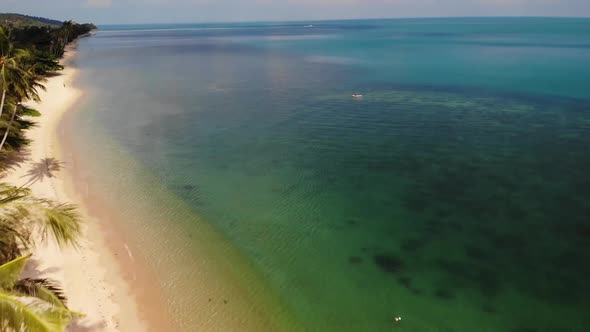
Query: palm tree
{"points": [[9, 60], [22, 215], [22, 85], [10, 123], [5, 61], [31, 304], [34, 305], [67, 28], [18, 78]]}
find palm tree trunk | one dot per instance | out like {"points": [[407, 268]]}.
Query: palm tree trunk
{"points": [[2, 103], [8, 128]]}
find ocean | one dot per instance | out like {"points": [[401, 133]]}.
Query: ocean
{"points": [[455, 193]]}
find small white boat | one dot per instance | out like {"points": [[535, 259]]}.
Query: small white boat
{"points": [[357, 96]]}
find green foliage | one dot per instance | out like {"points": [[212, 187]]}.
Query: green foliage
{"points": [[30, 49], [28, 52], [9, 272], [61, 221], [46, 63], [32, 314], [18, 20], [48, 43], [22, 214], [30, 304], [18, 81], [41, 288], [27, 111]]}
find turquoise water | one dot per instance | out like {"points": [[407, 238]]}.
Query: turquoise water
{"points": [[454, 194]]}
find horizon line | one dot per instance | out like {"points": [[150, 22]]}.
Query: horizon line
{"points": [[347, 19]]}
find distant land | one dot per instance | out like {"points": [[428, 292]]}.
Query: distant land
{"points": [[19, 20]]}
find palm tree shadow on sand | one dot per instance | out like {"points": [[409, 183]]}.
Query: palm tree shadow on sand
{"points": [[44, 169]]}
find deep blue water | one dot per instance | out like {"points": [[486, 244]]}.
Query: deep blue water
{"points": [[455, 193]]}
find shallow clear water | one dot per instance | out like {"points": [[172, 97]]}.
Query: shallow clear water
{"points": [[455, 193]]}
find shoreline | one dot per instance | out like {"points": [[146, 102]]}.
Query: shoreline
{"points": [[128, 273], [109, 277], [160, 262], [225, 292], [90, 275]]}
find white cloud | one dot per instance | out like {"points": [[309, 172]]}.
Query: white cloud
{"points": [[99, 3]]}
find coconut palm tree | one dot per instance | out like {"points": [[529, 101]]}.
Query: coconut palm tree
{"points": [[34, 305], [5, 48], [31, 304], [22, 85], [18, 78], [16, 107], [67, 28], [9, 64], [22, 215]]}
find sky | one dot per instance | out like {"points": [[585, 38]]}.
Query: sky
{"points": [[194, 11]]}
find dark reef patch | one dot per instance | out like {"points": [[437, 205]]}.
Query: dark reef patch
{"points": [[355, 260], [488, 282], [416, 203], [453, 267], [444, 294], [506, 241], [412, 244], [388, 263], [476, 253], [352, 222], [416, 291], [189, 187], [488, 309], [405, 281]]}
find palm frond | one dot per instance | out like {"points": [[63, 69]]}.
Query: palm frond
{"points": [[32, 314], [30, 304], [28, 111], [63, 222], [13, 242], [10, 194], [42, 289], [16, 316], [9, 272], [27, 214]]}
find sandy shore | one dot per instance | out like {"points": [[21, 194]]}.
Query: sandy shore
{"points": [[91, 277]]}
